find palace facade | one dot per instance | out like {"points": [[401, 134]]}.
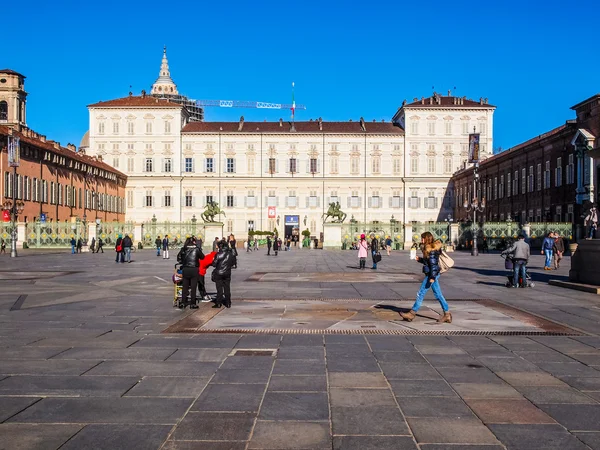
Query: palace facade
{"points": [[270, 174]]}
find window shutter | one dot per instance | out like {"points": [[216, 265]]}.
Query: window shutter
{"points": [[435, 202], [267, 201], [318, 201], [318, 166], [234, 201], [349, 201], [370, 202], [267, 165], [234, 165], [205, 165], [307, 202], [286, 201], [276, 166], [390, 201], [277, 201], [245, 202]]}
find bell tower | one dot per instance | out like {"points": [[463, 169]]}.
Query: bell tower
{"points": [[164, 84], [12, 98]]}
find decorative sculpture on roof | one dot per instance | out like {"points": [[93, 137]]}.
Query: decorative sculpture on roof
{"points": [[335, 213], [210, 211]]}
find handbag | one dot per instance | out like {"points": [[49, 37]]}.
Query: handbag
{"points": [[445, 262], [377, 257], [119, 248]]}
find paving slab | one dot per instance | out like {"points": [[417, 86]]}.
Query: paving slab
{"points": [[460, 447], [357, 380], [553, 394], [114, 354], [399, 371], [290, 435], [536, 437], [230, 398], [119, 437], [368, 364], [169, 387], [530, 379], [373, 443], [204, 445], [298, 367], [104, 410], [575, 417], [405, 357], [486, 390], [22, 353], [67, 386], [312, 406], [445, 430], [198, 354], [421, 388], [352, 397], [10, 406], [591, 439], [46, 367], [508, 411], [236, 376], [292, 383], [374, 421], [574, 369], [582, 383], [434, 407], [17, 436], [154, 368], [298, 352], [478, 374], [199, 426]]}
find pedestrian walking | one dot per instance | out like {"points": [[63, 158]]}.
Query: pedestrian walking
{"points": [[255, 244], [165, 246], [215, 245], [221, 275], [249, 244], [374, 250], [388, 245], [547, 246], [519, 252], [100, 245], [432, 249], [269, 244], [591, 222], [119, 249], [233, 246], [93, 244], [73, 245], [189, 257], [158, 245], [79, 245], [558, 250], [127, 244], [2, 246], [276, 244], [484, 246], [363, 246], [289, 243]]}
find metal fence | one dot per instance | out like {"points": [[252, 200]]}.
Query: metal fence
{"points": [[110, 231], [178, 232], [52, 234], [351, 233]]}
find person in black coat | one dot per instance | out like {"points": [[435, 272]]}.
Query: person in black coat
{"points": [[189, 257], [119, 250], [221, 274], [374, 250], [269, 244], [275, 244]]}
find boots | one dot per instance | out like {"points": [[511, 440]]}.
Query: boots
{"points": [[446, 318], [409, 316]]}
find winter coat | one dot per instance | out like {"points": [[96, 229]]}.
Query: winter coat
{"points": [[275, 244], [374, 245], [206, 262], [431, 264], [127, 242], [223, 263], [119, 243], [165, 244], [158, 242], [519, 250], [559, 245], [362, 248], [190, 256], [548, 243], [269, 243]]}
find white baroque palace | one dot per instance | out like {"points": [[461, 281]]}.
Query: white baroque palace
{"points": [[281, 174]]}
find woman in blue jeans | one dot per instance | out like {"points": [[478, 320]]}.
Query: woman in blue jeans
{"points": [[547, 246], [432, 250]]}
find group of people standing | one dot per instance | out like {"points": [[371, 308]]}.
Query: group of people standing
{"points": [[194, 264], [123, 247], [364, 247], [553, 248]]}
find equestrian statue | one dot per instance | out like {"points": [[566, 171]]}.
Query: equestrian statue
{"points": [[335, 212], [210, 211]]}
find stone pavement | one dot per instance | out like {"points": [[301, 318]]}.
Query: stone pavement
{"points": [[84, 362]]}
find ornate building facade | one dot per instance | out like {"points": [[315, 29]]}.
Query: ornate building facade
{"points": [[275, 174]]}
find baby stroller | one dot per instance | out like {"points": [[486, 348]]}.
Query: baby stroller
{"points": [[509, 265], [178, 302]]}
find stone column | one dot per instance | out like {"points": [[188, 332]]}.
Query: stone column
{"points": [[408, 239], [527, 230], [21, 233], [332, 235], [454, 232], [212, 230], [137, 233]]}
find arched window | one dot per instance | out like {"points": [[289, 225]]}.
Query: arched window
{"points": [[3, 111]]}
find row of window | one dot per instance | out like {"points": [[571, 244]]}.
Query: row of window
{"points": [[432, 127], [131, 127], [32, 189], [536, 215], [511, 184]]}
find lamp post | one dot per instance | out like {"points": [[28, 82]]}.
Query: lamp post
{"points": [[15, 207], [449, 221], [475, 206], [84, 229]]}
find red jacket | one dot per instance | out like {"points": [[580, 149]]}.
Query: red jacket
{"points": [[206, 261]]}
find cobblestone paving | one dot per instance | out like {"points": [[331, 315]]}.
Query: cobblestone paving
{"points": [[84, 363]]}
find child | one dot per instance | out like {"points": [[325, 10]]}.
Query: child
{"points": [[204, 264], [362, 251]]}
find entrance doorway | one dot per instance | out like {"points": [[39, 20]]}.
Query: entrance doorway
{"points": [[292, 226]]}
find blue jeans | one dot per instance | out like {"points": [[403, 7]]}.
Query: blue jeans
{"points": [[157, 251], [519, 271], [548, 261], [373, 256], [73, 249], [437, 292], [127, 253]]}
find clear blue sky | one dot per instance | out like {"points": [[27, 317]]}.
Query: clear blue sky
{"points": [[532, 59]]}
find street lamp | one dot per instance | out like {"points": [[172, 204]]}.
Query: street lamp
{"points": [[475, 206], [84, 229], [15, 207], [449, 221]]}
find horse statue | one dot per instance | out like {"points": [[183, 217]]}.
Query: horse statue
{"points": [[335, 213], [210, 211]]}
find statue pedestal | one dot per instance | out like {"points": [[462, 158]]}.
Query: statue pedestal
{"points": [[332, 235], [211, 231], [585, 262]]}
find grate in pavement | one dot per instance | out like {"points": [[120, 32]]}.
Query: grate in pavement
{"points": [[250, 352], [407, 332]]}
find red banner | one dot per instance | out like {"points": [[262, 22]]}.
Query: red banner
{"points": [[6, 216], [272, 211]]}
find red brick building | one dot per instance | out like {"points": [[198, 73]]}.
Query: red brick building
{"points": [[549, 178]]}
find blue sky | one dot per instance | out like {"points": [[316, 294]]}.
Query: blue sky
{"points": [[532, 59]]}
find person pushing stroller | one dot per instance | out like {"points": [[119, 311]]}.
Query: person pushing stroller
{"points": [[519, 252]]}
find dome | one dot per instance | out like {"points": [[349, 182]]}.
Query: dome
{"points": [[85, 140]]}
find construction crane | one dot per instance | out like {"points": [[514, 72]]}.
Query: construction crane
{"points": [[243, 104]]}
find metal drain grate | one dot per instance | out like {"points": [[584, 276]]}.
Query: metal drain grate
{"points": [[253, 352], [382, 332]]}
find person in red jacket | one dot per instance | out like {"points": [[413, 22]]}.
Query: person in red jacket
{"points": [[204, 264]]}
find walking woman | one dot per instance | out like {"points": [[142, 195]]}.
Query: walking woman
{"points": [[362, 251], [189, 257], [233, 245], [119, 249], [432, 250]]}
